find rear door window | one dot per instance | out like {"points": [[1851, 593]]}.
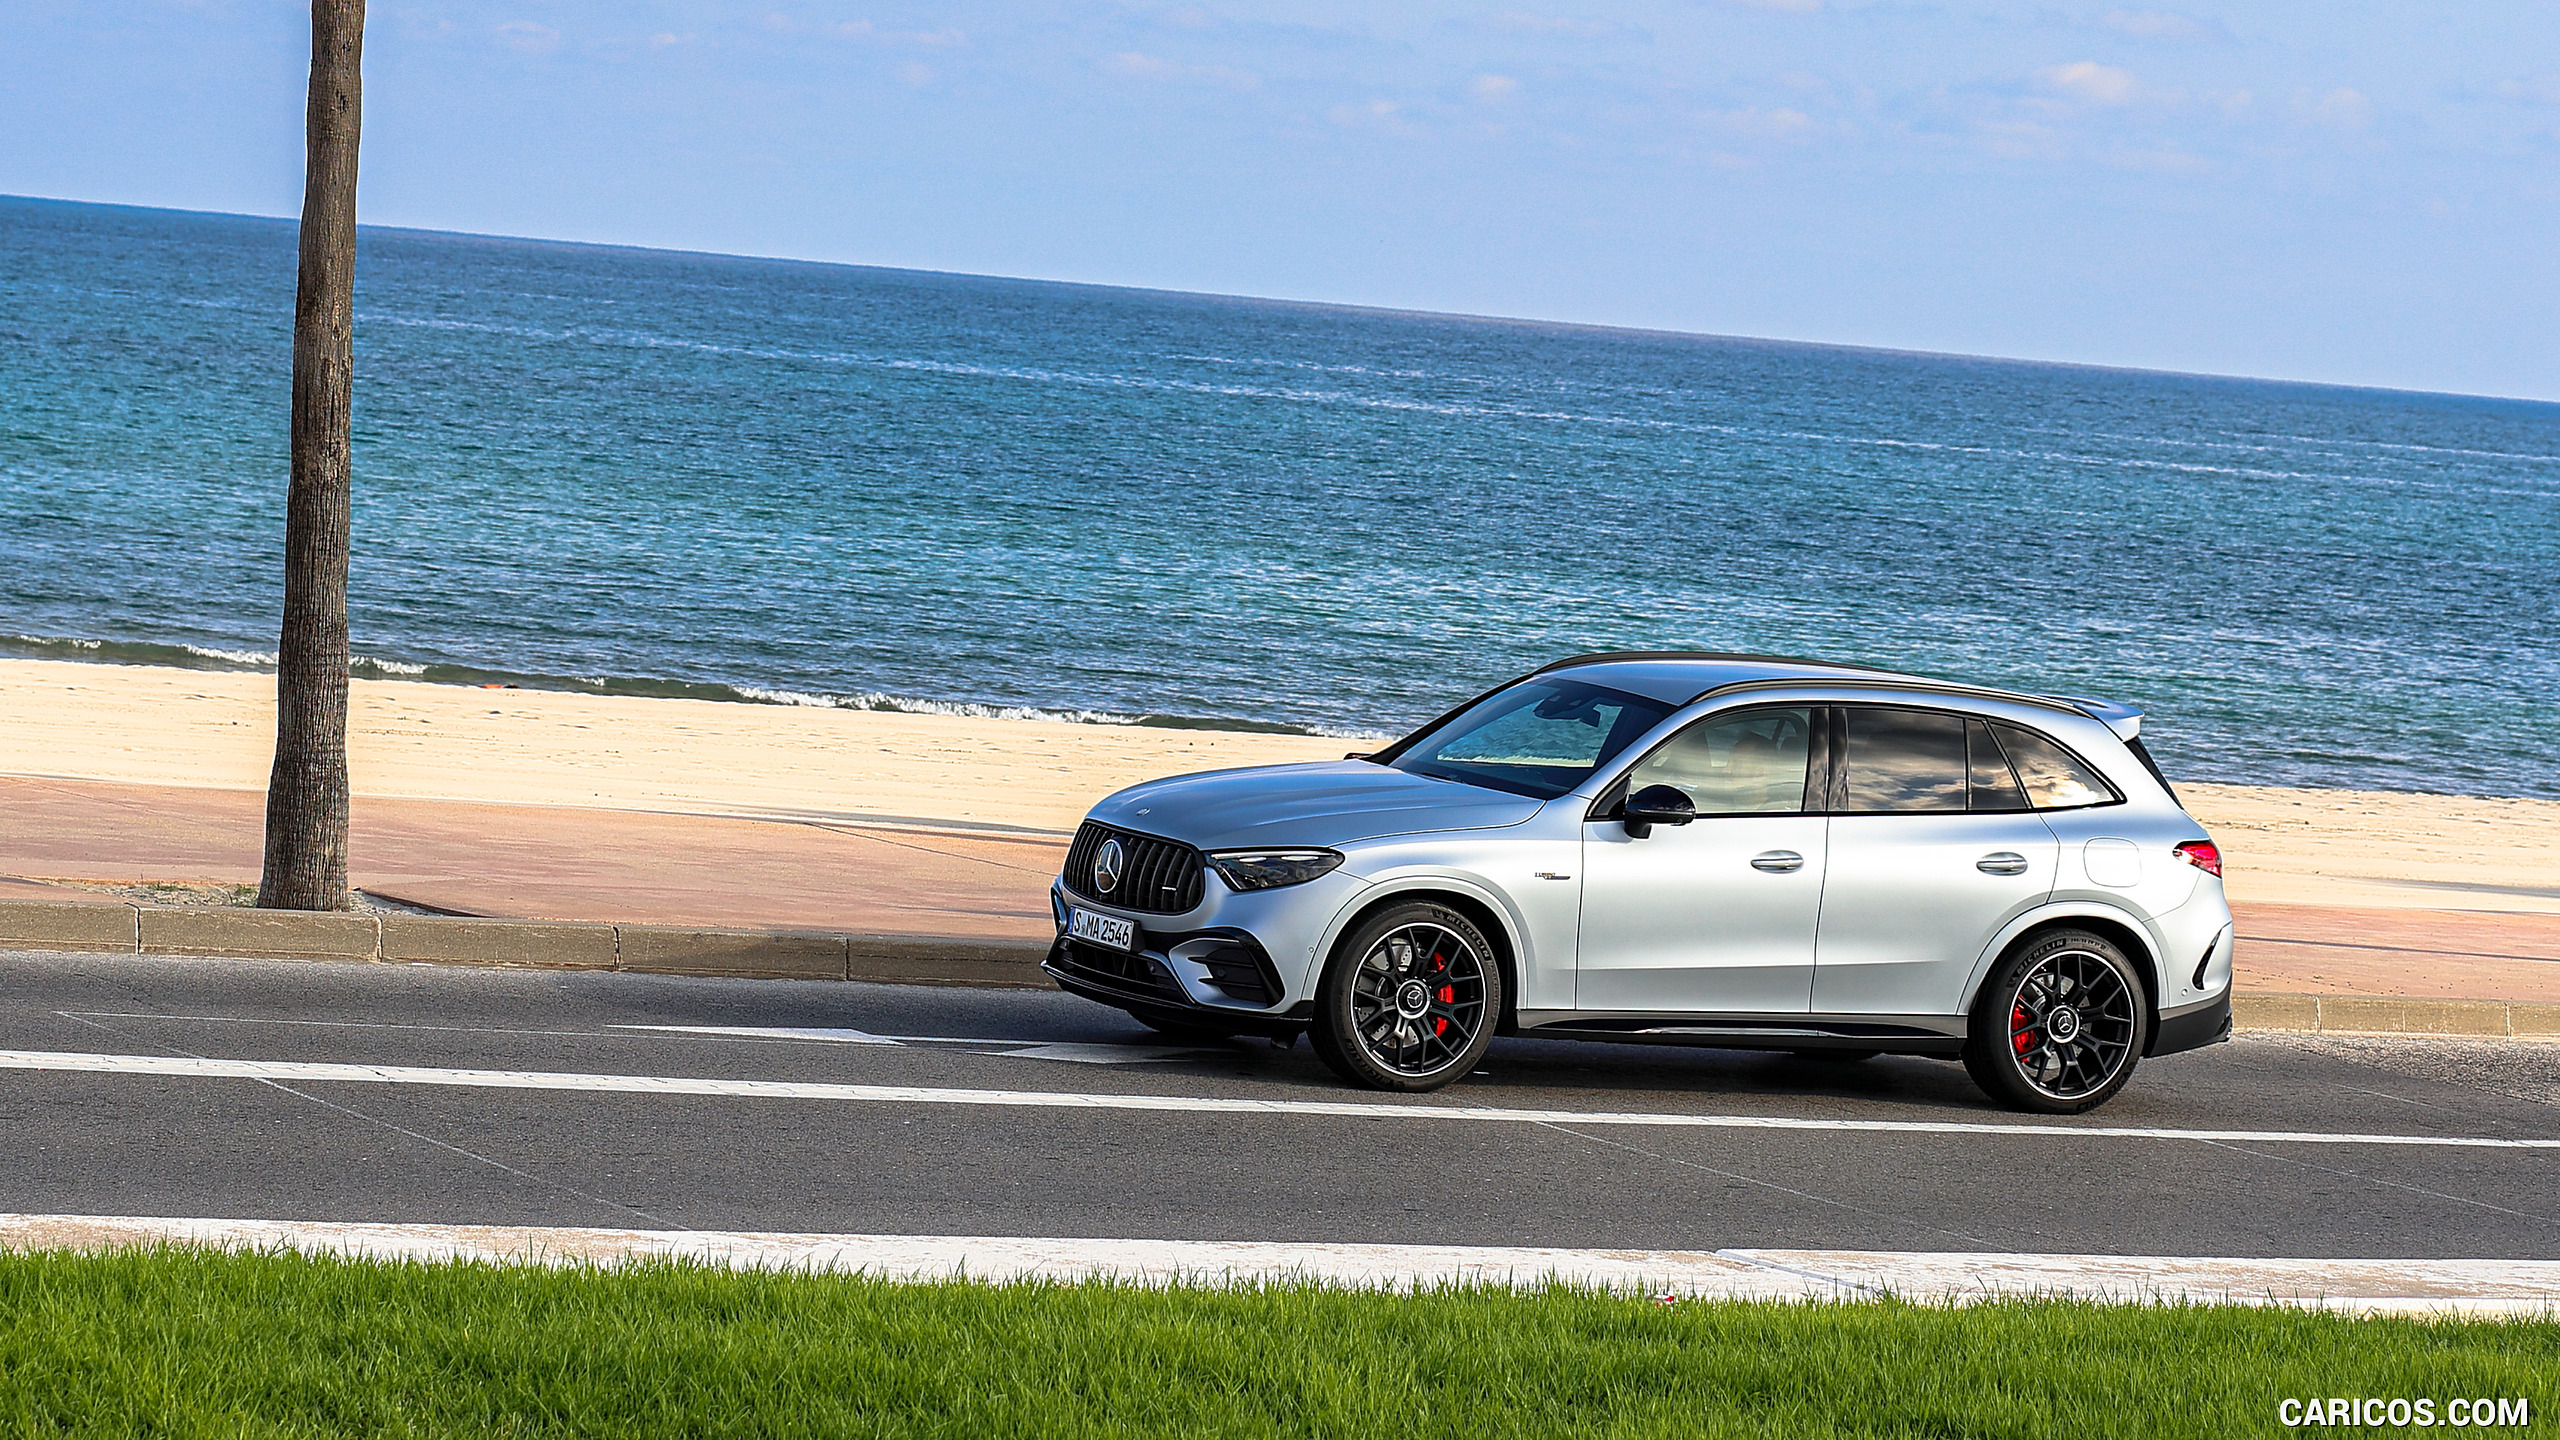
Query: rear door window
{"points": [[1903, 762], [1995, 785], [2052, 777]]}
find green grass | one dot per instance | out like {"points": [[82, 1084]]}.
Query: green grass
{"points": [[182, 1342]]}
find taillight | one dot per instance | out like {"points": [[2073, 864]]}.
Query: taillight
{"points": [[2203, 855]]}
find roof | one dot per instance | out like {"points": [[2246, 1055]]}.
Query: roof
{"points": [[1680, 677]]}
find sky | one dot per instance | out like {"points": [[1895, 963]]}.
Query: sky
{"points": [[2337, 191]]}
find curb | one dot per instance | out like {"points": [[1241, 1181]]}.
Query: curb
{"points": [[2386, 1015], [129, 929]]}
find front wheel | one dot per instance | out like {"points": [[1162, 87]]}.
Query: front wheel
{"points": [[1410, 1001], [2059, 1025]]}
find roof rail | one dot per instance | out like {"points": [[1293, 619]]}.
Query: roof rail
{"points": [[1611, 657], [2123, 719], [1888, 680]]}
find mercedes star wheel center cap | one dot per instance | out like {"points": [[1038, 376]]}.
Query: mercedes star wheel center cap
{"points": [[1412, 998], [2062, 1023], [1107, 865]]}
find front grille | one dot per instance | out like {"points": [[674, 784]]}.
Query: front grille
{"points": [[1160, 877]]}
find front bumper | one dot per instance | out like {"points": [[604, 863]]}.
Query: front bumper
{"points": [[1250, 951], [1146, 982]]}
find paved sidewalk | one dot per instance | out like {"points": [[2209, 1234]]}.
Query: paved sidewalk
{"points": [[2354, 1287], [541, 862], [873, 874]]}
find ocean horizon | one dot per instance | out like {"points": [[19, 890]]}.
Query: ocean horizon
{"points": [[662, 472]]}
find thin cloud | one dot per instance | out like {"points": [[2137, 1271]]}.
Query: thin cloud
{"points": [[1521, 23], [2160, 160], [2155, 24], [1138, 65], [2342, 108], [2091, 83], [1383, 116], [1490, 88], [528, 38], [1778, 123]]}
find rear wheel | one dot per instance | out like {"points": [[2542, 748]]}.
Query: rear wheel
{"points": [[2059, 1025], [1410, 1000]]}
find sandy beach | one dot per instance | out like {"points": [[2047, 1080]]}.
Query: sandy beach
{"points": [[409, 741], [549, 805]]}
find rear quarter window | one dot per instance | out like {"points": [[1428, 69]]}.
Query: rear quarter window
{"points": [[2052, 777]]}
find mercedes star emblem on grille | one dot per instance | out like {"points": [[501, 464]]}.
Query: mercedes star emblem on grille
{"points": [[1107, 865]]}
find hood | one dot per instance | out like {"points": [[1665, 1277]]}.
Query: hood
{"points": [[1325, 802]]}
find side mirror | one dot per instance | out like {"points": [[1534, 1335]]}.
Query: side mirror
{"points": [[1656, 805]]}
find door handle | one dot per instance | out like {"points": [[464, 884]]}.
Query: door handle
{"points": [[1777, 862], [2002, 862]]}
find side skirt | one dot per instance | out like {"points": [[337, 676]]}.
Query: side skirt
{"points": [[1899, 1034]]}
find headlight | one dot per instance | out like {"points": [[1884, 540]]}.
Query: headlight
{"points": [[1271, 869]]}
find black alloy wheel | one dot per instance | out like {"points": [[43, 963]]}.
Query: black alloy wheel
{"points": [[1410, 1001], [2059, 1026]]}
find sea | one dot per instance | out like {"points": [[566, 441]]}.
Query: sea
{"points": [[651, 472]]}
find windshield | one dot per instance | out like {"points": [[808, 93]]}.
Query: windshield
{"points": [[1540, 738]]}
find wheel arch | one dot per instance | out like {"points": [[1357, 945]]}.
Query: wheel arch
{"points": [[2128, 934], [1478, 906]]}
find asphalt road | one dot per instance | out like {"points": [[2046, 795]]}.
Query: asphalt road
{"points": [[970, 1124]]}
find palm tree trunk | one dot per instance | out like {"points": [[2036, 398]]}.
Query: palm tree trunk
{"points": [[306, 864]]}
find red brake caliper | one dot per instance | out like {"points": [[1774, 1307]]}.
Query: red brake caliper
{"points": [[1446, 994], [2022, 1030]]}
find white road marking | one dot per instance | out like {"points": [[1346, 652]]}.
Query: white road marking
{"points": [[959, 1040], [749, 1031], [2481, 1287], [768, 1032], [325, 1071], [1107, 1054], [322, 1024]]}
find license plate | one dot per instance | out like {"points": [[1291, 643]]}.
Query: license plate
{"points": [[1108, 930]]}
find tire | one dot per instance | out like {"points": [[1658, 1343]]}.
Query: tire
{"points": [[1173, 1025], [1410, 1000], [2059, 1026]]}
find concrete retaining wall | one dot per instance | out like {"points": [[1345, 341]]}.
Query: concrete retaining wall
{"points": [[886, 959], [650, 949]]}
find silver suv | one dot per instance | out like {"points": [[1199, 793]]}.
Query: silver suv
{"points": [[1678, 849]]}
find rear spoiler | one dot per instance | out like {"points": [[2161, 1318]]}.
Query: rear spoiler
{"points": [[2119, 717]]}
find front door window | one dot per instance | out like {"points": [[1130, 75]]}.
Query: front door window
{"points": [[1748, 764]]}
